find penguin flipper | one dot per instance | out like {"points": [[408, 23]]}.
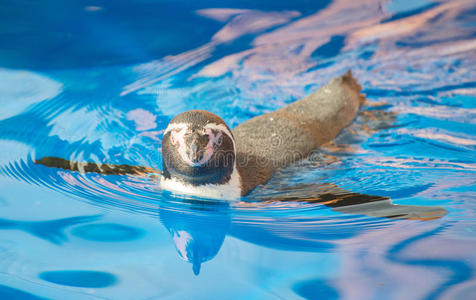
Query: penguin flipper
{"points": [[348, 202], [386, 209], [88, 167]]}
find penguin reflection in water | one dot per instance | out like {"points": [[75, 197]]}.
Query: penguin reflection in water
{"points": [[203, 157]]}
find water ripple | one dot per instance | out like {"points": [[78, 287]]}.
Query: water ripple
{"points": [[409, 154]]}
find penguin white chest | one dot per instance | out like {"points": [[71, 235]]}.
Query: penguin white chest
{"points": [[227, 191]]}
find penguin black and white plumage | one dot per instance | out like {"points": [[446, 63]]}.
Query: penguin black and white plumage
{"points": [[202, 156], [199, 156]]}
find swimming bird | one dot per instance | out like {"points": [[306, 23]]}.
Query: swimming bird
{"points": [[203, 157]]}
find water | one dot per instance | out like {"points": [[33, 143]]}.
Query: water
{"points": [[97, 81]]}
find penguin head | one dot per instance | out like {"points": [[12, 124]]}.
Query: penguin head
{"points": [[198, 149]]}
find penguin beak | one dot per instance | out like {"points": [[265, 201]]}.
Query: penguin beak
{"points": [[196, 153]]}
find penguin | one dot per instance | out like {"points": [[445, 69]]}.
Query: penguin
{"points": [[203, 157]]}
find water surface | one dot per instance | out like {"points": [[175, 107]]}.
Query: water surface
{"points": [[98, 82]]}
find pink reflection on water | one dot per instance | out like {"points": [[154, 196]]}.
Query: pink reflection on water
{"points": [[221, 14], [419, 163], [280, 61], [456, 114], [143, 119], [243, 22], [251, 22], [283, 57], [408, 26], [434, 135], [392, 273]]}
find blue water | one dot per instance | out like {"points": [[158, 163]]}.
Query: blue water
{"points": [[98, 81]]}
